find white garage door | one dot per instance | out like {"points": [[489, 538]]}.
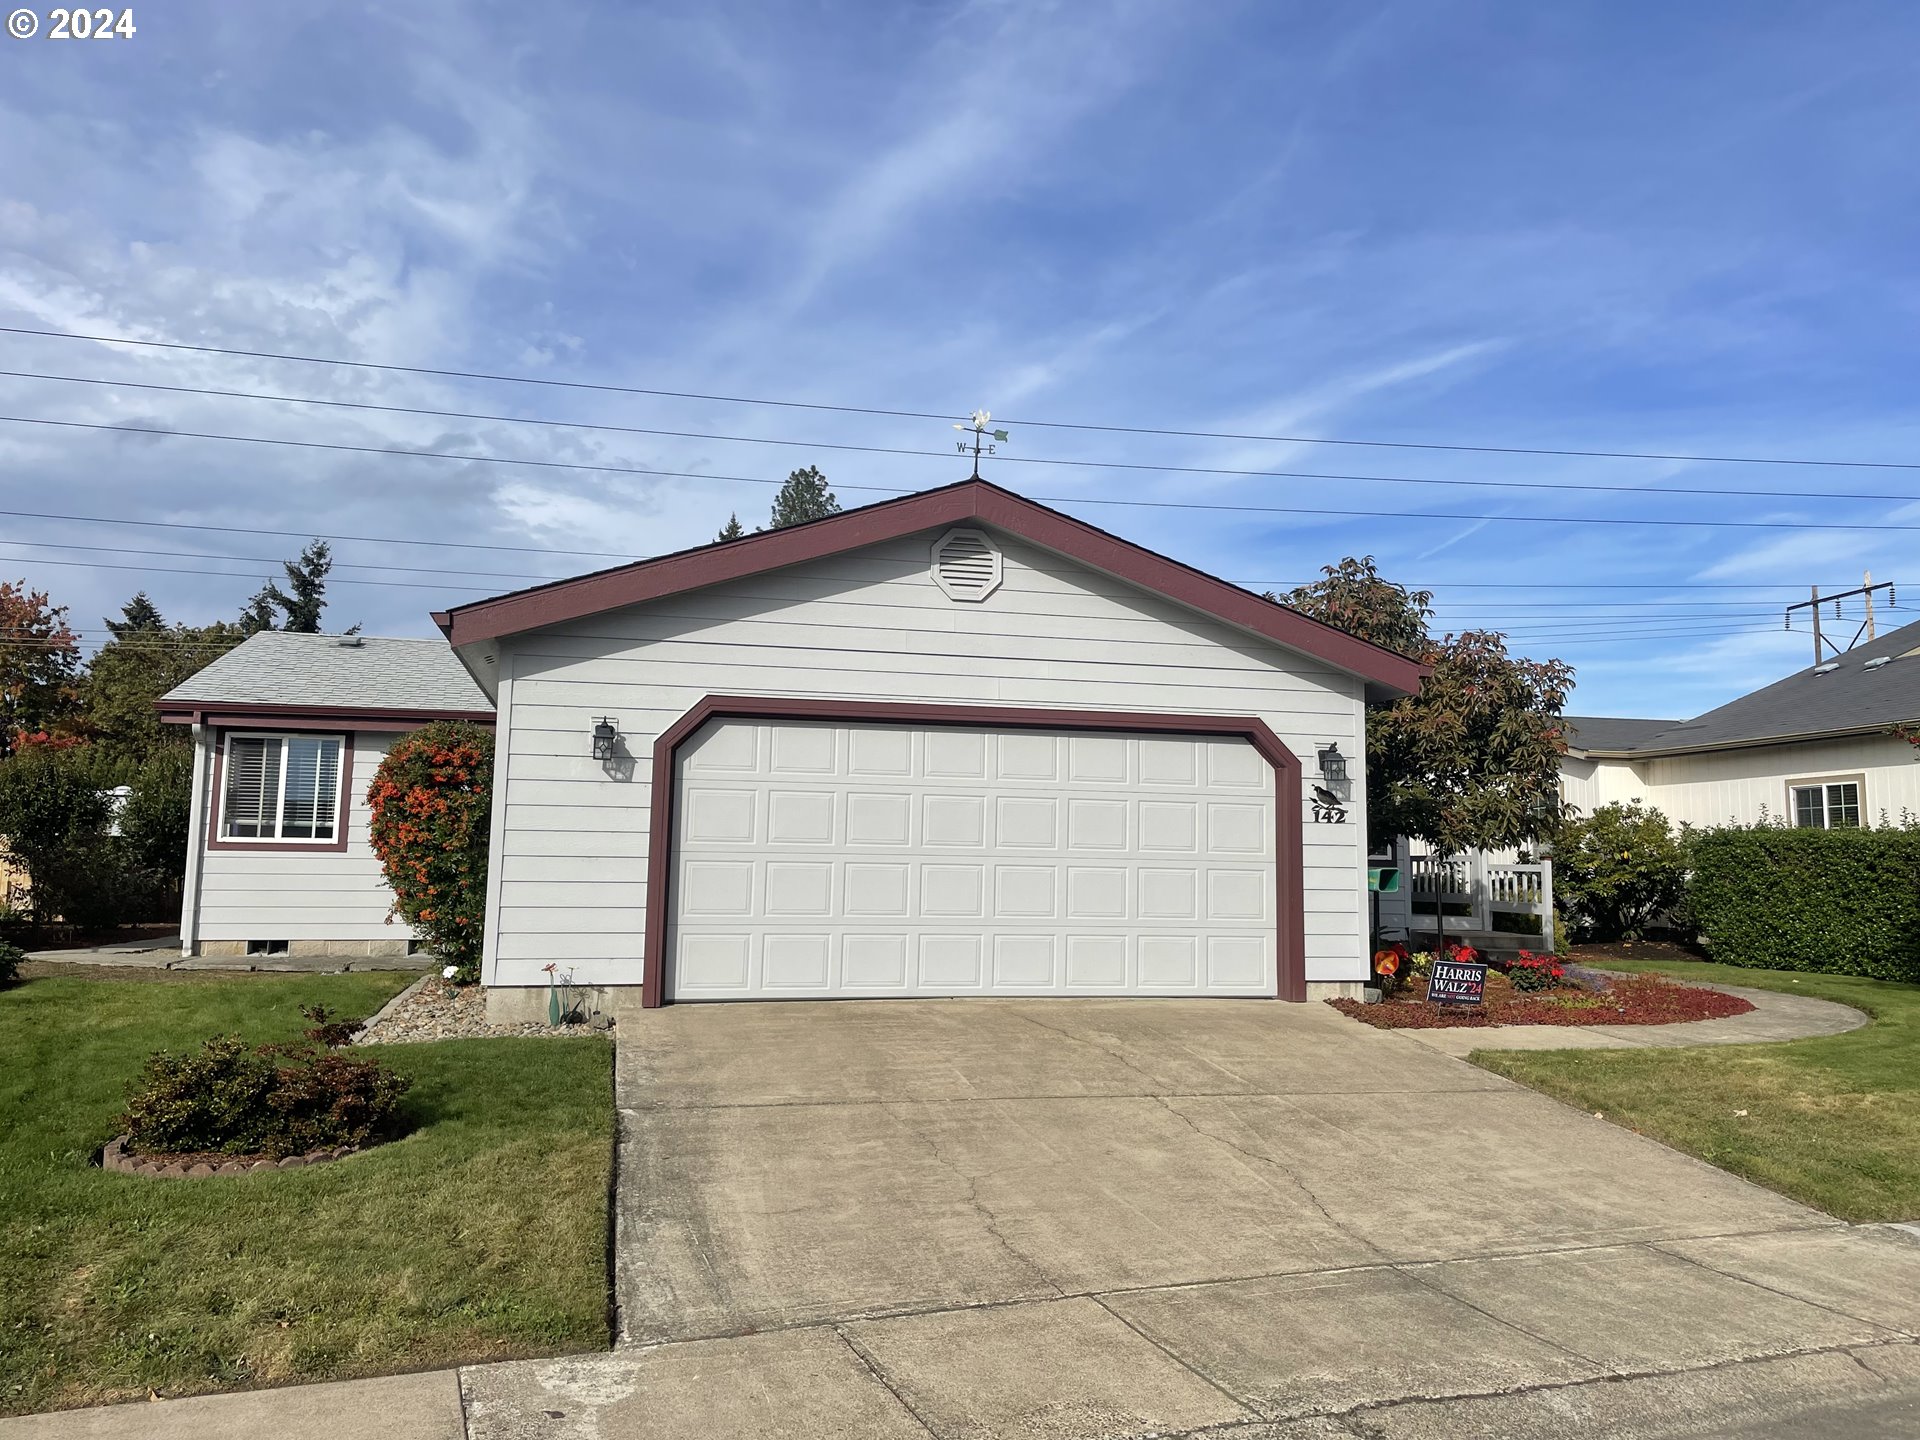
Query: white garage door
{"points": [[820, 859]]}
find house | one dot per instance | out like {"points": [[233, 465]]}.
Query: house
{"points": [[1816, 748], [287, 729], [951, 744]]}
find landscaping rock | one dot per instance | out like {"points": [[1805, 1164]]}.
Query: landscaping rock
{"points": [[437, 1009]]}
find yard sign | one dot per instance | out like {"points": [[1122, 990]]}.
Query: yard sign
{"points": [[1457, 982]]}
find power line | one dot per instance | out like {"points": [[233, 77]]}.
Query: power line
{"points": [[1141, 466], [1375, 515], [244, 575], [603, 388], [1619, 609], [265, 560]]}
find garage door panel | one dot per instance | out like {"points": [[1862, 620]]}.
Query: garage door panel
{"points": [[814, 859]]}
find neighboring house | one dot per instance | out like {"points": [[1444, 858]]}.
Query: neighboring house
{"points": [[951, 744], [287, 731], [1813, 749]]}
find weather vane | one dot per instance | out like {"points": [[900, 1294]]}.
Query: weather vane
{"points": [[984, 440]]}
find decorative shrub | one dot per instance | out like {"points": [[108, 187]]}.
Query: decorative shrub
{"points": [[431, 800], [1846, 902], [1535, 972], [12, 957], [1617, 870], [275, 1100]]}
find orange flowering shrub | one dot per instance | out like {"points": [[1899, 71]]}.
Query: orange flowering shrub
{"points": [[431, 800]]}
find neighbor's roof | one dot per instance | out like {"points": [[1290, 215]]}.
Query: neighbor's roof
{"points": [[320, 674], [1607, 732], [1849, 694], [1387, 672]]}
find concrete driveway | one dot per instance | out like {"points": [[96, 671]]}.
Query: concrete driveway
{"points": [[1104, 1218]]}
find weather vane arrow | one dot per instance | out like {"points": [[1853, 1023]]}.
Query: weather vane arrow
{"points": [[984, 440]]}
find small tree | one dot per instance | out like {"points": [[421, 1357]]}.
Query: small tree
{"points": [[804, 497], [1472, 762], [1617, 870], [431, 800], [39, 665], [732, 530], [302, 603], [54, 816]]}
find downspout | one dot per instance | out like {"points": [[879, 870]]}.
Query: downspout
{"points": [[196, 843]]}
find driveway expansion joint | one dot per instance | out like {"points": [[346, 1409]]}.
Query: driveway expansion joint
{"points": [[872, 1367], [1660, 1246]]}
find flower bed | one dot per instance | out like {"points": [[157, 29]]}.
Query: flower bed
{"points": [[1634, 1000]]}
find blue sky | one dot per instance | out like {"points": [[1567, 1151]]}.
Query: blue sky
{"points": [[1595, 226]]}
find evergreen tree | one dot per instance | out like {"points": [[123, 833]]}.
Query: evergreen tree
{"points": [[146, 658], [804, 497], [307, 579], [732, 530], [139, 616], [258, 614]]}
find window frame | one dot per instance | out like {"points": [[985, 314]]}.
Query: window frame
{"points": [[217, 839], [1857, 779]]}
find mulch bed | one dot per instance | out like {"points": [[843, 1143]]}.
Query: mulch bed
{"points": [[197, 1163], [1637, 1000]]}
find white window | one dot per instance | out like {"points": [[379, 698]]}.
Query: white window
{"points": [[1826, 804], [281, 788]]}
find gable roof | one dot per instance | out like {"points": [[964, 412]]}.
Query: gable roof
{"points": [[1387, 672], [1847, 695], [320, 675], [1608, 732]]}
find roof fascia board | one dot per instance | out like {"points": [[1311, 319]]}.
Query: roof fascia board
{"points": [[365, 717], [1387, 672]]}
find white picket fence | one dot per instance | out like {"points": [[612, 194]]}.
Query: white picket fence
{"points": [[1479, 892]]}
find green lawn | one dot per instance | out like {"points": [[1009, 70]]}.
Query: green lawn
{"points": [[481, 1235], [1834, 1122]]}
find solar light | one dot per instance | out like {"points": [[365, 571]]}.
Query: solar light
{"points": [[606, 738]]}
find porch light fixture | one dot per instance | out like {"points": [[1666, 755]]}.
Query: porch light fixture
{"points": [[1333, 770], [606, 738]]}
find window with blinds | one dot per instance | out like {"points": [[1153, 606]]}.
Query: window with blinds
{"points": [[281, 787]]}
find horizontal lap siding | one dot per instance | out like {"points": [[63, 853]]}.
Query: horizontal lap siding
{"points": [[302, 894], [570, 866]]}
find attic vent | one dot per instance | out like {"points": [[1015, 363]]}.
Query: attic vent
{"points": [[1877, 662], [1826, 669], [352, 642], [966, 565]]}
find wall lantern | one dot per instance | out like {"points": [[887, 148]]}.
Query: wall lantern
{"points": [[1333, 770], [606, 738]]}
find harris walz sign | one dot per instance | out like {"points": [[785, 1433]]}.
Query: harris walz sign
{"points": [[1457, 982]]}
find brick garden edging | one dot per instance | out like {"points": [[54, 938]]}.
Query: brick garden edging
{"points": [[116, 1158]]}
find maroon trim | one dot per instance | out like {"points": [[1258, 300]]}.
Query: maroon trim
{"points": [[585, 595], [1290, 938], [216, 800], [307, 717]]}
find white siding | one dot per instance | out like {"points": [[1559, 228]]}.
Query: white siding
{"points": [[1739, 786], [571, 843], [300, 894]]}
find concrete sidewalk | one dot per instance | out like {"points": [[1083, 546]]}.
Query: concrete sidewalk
{"points": [[1775, 1016]]}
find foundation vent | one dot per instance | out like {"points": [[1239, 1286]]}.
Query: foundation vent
{"points": [[966, 565]]}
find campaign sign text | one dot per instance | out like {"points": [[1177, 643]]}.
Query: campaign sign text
{"points": [[1455, 982]]}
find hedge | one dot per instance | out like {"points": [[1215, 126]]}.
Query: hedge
{"points": [[1844, 902]]}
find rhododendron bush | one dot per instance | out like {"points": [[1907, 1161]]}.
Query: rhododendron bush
{"points": [[430, 801]]}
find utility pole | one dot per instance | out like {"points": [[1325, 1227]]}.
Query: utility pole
{"points": [[1866, 630]]}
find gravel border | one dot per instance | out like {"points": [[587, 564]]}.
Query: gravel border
{"points": [[433, 1008]]}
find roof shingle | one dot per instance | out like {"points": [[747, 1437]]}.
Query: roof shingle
{"points": [[277, 668]]}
